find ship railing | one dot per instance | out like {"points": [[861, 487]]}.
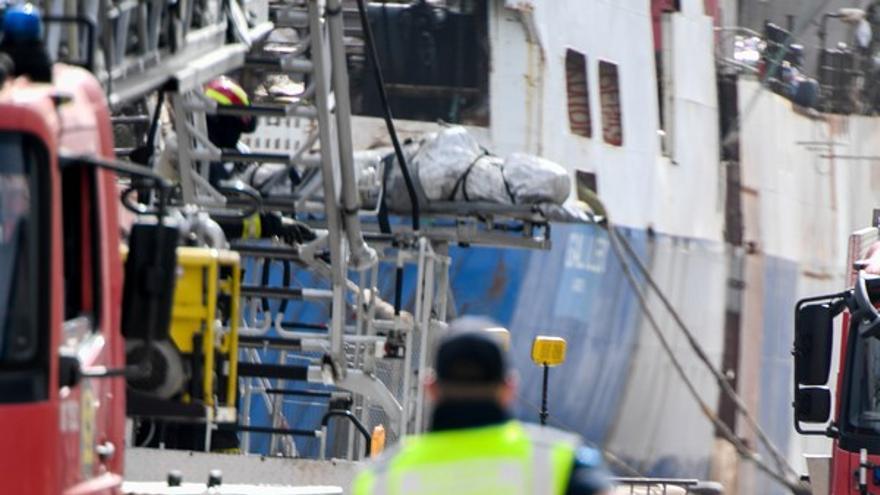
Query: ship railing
{"points": [[665, 486], [845, 81], [386, 347], [738, 49]]}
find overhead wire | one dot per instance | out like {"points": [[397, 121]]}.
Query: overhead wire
{"points": [[609, 456], [373, 54], [796, 486], [719, 377]]}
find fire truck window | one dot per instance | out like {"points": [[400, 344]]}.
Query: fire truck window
{"points": [[864, 397], [609, 96], [24, 290], [579, 120], [80, 225]]}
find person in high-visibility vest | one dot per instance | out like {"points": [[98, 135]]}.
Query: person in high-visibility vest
{"points": [[473, 446]]}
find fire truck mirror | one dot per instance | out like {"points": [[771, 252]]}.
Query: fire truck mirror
{"points": [[813, 343], [148, 293], [812, 405]]}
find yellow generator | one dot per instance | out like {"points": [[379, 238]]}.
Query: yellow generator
{"points": [[198, 365], [204, 324]]}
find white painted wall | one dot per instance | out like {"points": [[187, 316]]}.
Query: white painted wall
{"points": [[691, 188], [640, 188], [808, 203], [660, 424], [801, 205]]}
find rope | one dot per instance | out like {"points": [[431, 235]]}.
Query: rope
{"points": [[782, 463], [373, 55], [796, 487], [612, 458]]}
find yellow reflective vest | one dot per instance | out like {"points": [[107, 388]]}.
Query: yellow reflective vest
{"points": [[512, 458]]}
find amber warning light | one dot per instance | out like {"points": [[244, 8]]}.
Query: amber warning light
{"points": [[548, 351]]}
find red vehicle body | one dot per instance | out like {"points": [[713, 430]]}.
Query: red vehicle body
{"points": [[844, 463], [854, 464], [61, 247]]}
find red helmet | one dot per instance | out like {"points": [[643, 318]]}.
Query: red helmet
{"points": [[227, 92]]}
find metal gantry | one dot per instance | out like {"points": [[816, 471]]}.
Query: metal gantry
{"points": [[368, 355], [136, 47], [351, 353]]}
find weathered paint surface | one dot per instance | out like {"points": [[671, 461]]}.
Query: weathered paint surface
{"points": [[692, 274], [576, 292], [775, 385], [799, 204], [615, 368]]}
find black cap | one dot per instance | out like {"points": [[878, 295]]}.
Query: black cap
{"points": [[469, 354]]}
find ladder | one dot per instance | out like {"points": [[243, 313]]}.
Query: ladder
{"points": [[375, 358], [138, 46]]}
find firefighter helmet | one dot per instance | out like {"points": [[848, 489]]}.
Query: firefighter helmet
{"points": [[225, 91], [225, 130]]}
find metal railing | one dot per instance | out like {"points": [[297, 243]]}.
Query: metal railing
{"points": [[665, 486]]}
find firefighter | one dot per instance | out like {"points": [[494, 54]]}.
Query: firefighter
{"points": [[21, 38], [225, 131], [473, 445]]}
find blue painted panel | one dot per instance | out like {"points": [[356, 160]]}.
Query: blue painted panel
{"points": [[575, 291], [487, 281], [780, 294]]}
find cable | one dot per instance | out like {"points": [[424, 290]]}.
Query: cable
{"points": [[701, 354], [286, 283], [795, 486], [146, 441], [386, 109], [609, 456]]}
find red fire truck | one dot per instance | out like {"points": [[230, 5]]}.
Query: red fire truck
{"points": [[843, 403], [62, 353]]}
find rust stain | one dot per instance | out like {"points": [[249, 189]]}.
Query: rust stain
{"points": [[749, 190], [838, 125], [499, 280], [817, 275], [530, 89]]}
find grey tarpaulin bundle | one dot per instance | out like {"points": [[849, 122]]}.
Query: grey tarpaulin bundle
{"points": [[450, 165]]}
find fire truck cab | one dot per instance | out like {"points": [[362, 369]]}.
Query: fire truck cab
{"points": [[842, 403], [60, 290]]}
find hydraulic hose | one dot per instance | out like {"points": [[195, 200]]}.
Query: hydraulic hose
{"points": [[386, 109]]}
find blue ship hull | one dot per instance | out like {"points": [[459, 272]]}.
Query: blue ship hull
{"points": [[617, 388]]}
